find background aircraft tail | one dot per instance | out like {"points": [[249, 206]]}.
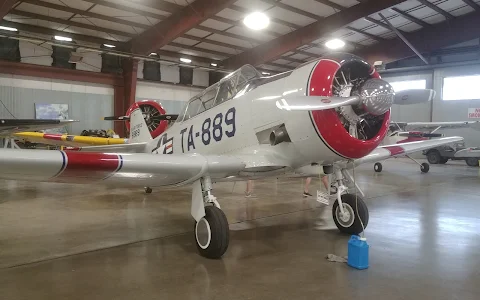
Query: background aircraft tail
{"points": [[139, 132]]}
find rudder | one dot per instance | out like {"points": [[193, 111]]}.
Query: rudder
{"points": [[139, 132]]}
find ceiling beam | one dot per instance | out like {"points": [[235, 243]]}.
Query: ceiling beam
{"points": [[293, 9], [69, 23], [24, 69], [85, 13], [271, 50], [378, 23], [331, 4], [372, 36], [160, 5], [436, 8], [472, 4], [5, 7], [426, 40], [177, 24], [410, 17]]}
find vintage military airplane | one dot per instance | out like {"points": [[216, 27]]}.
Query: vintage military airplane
{"points": [[326, 116]]}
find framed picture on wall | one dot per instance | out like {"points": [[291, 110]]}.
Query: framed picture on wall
{"points": [[52, 111]]}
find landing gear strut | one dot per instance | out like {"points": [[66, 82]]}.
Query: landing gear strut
{"points": [[211, 230], [424, 167], [349, 211]]}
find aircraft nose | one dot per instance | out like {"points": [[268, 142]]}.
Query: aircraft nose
{"points": [[377, 96]]}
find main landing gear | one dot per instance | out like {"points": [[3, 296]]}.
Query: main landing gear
{"points": [[211, 230], [424, 167], [349, 211]]}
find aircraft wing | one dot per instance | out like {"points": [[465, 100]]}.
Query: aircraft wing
{"points": [[384, 152], [122, 169], [432, 125], [68, 140], [9, 126]]}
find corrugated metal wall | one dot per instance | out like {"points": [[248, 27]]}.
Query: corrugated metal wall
{"points": [[87, 107], [439, 109]]}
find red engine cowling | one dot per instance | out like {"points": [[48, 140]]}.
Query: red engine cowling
{"points": [[151, 111], [350, 132]]}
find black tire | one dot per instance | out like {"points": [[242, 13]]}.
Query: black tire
{"points": [[444, 160], [425, 168], [377, 167], [472, 161], [434, 157], [350, 203], [148, 190], [219, 235]]}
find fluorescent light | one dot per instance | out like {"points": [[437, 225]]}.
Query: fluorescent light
{"points": [[213, 64], [256, 21], [335, 44], [185, 60], [8, 28], [109, 46], [265, 73], [153, 53], [63, 38]]}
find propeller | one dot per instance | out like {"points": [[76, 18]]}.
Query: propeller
{"points": [[127, 118], [375, 95]]}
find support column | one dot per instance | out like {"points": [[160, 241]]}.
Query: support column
{"points": [[124, 95]]}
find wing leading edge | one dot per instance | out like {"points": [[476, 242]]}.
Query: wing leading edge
{"points": [[124, 169], [403, 149]]}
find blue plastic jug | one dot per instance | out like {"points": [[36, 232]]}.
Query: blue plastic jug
{"points": [[358, 252]]}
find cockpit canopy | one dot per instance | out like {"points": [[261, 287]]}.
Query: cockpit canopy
{"points": [[227, 88]]}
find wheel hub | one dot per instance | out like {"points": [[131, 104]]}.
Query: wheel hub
{"points": [[203, 233], [348, 217]]}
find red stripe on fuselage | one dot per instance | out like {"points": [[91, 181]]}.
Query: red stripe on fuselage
{"points": [[56, 137], [88, 167], [329, 125], [395, 150]]}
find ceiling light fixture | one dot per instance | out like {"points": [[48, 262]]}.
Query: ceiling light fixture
{"points": [[109, 46], [8, 28], [265, 73], [153, 53], [63, 38], [213, 64], [185, 60], [256, 21], [335, 44]]}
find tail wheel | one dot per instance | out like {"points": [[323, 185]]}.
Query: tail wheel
{"points": [[212, 233], [152, 111], [425, 168], [355, 213], [377, 167]]}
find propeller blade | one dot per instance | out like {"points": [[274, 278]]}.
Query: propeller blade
{"points": [[115, 118], [314, 102], [413, 96]]}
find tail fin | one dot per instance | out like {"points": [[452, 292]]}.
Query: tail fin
{"points": [[138, 128]]}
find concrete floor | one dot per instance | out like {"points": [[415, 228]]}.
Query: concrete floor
{"points": [[82, 242]]}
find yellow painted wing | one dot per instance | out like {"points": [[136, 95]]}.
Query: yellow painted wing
{"points": [[68, 140]]}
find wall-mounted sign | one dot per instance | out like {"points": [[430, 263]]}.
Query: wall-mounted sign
{"points": [[474, 113]]}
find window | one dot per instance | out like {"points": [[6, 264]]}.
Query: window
{"points": [[461, 88], [408, 84], [227, 89], [208, 98], [193, 108]]}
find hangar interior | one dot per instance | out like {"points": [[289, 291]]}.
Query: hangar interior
{"points": [[99, 57]]}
